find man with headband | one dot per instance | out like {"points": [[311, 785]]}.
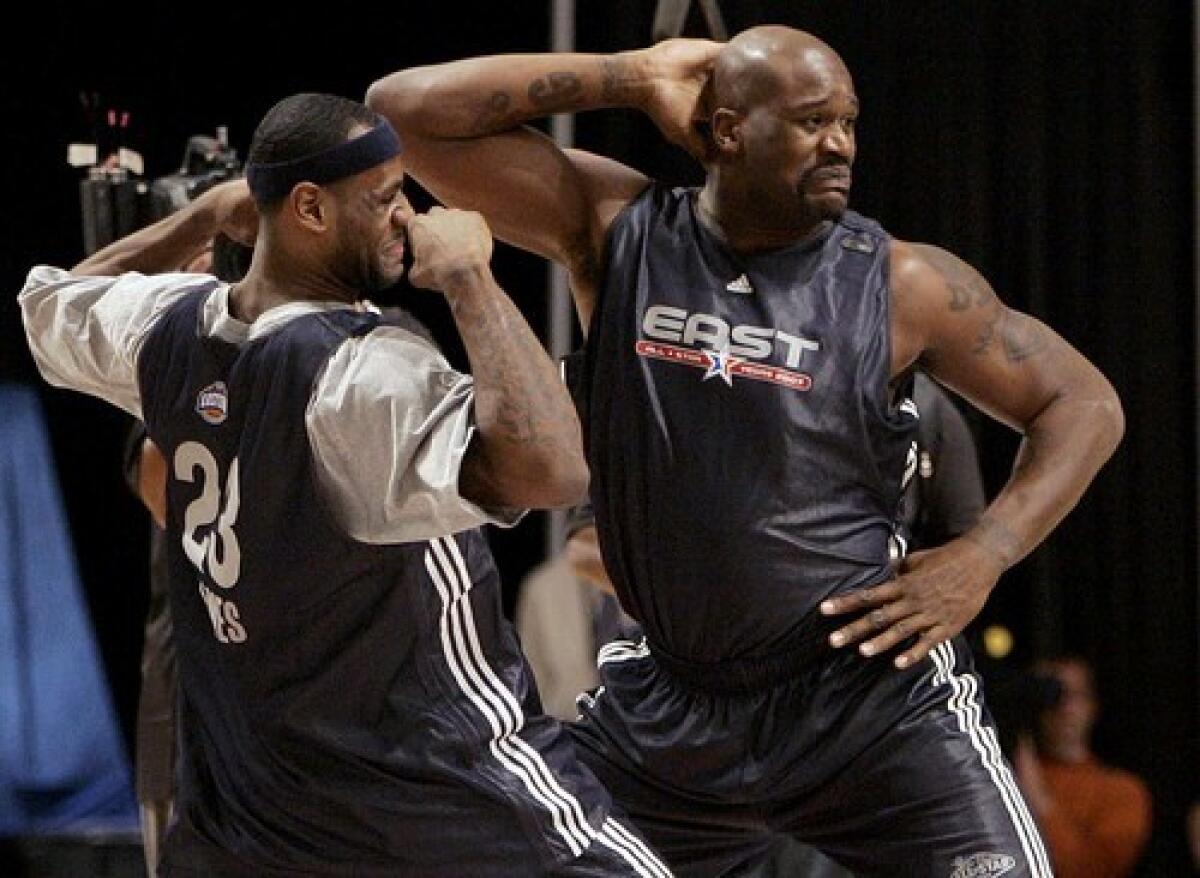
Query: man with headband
{"points": [[351, 699]]}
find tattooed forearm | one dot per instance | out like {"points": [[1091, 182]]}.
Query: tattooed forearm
{"points": [[520, 400], [555, 91], [995, 536], [619, 82]]}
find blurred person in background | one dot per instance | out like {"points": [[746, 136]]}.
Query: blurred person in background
{"points": [[566, 612], [1094, 818]]}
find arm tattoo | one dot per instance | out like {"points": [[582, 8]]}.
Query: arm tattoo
{"points": [[1020, 337], [960, 296], [987, 332], [555, 91], [997, 539], [493, 115], [618, 81], [967, 286], [520, 386]]}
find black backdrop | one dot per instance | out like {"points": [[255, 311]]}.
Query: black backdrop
{"points": [[1049, 144]]}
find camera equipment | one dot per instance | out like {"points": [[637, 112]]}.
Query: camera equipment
{"points": [[206, 162], [116, 202]]}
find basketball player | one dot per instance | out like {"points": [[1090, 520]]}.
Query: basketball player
{"points": [[750, 348], [351, 700]]}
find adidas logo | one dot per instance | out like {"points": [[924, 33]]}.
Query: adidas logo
{"points": [[740, 284]]}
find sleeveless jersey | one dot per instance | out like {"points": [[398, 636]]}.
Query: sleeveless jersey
{"points": [[746, 456], [345, 707]]}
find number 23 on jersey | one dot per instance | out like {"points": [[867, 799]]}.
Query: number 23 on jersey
{"points": [[209, 539]]}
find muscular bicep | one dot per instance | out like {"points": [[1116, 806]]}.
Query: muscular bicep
{"points": [[554, 203], [949, 320]]}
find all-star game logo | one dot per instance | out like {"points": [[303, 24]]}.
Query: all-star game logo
{"points": [[983, 865], [707, 342], [212, 403]]}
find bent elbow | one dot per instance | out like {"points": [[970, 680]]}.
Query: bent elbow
{"points": [[1113, 414], [399, 96], [561, 482]]}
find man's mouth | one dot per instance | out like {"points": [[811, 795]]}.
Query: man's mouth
{"points": [[836, 177], [395, 249]]}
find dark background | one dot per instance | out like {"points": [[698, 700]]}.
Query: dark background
{"points": [[1050, 144]]}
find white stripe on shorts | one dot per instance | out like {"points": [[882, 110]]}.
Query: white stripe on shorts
{"points": [[633, 850], [964, 705], [460, 647]]}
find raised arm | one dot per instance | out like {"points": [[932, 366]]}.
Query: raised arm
{"points": [[947, 319], [85, 326], [527, 450], [175, 240], [463, 141]]}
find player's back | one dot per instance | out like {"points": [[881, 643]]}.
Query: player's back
{"points": [[336, 696]]}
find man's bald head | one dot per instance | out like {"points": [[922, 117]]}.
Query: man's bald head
{"points": [[760, 63]]}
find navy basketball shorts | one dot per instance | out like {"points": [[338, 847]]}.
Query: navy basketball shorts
{"points": [[484, 843], [617, 852], [889, 772]]}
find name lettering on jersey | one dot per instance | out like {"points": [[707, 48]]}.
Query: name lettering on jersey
{"points": [[707, 342], [223, 614], [212, 403], [983, 865]]}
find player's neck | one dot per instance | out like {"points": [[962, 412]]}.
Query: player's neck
{"points": [[739, 221], [269, 284]]}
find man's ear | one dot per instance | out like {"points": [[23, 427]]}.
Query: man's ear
{"points": [[727, 131], [310, 206]]}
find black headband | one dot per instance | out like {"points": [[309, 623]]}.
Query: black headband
{"points": [[271, 180]]}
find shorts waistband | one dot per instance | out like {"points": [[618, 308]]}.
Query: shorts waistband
{"points": [[753, 673]]}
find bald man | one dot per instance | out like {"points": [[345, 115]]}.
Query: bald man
{"points": [[750, 350]]}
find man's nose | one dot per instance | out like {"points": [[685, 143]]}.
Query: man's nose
{"points": [[838, 141], [401, 214]]}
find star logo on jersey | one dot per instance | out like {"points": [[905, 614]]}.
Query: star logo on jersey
{"points": [[723, 349], [212, 403], [720, 364], [741, 285]]}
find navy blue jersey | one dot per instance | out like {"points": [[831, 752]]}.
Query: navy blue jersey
{"points": [[345, 707], [746, 456]]}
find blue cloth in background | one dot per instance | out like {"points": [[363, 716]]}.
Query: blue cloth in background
{"points": [[62, 764]]}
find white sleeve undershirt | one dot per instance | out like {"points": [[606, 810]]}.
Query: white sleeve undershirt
{"points": [[389, 420]]}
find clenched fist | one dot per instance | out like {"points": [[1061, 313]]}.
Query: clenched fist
{"points": [[447, 245]]}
